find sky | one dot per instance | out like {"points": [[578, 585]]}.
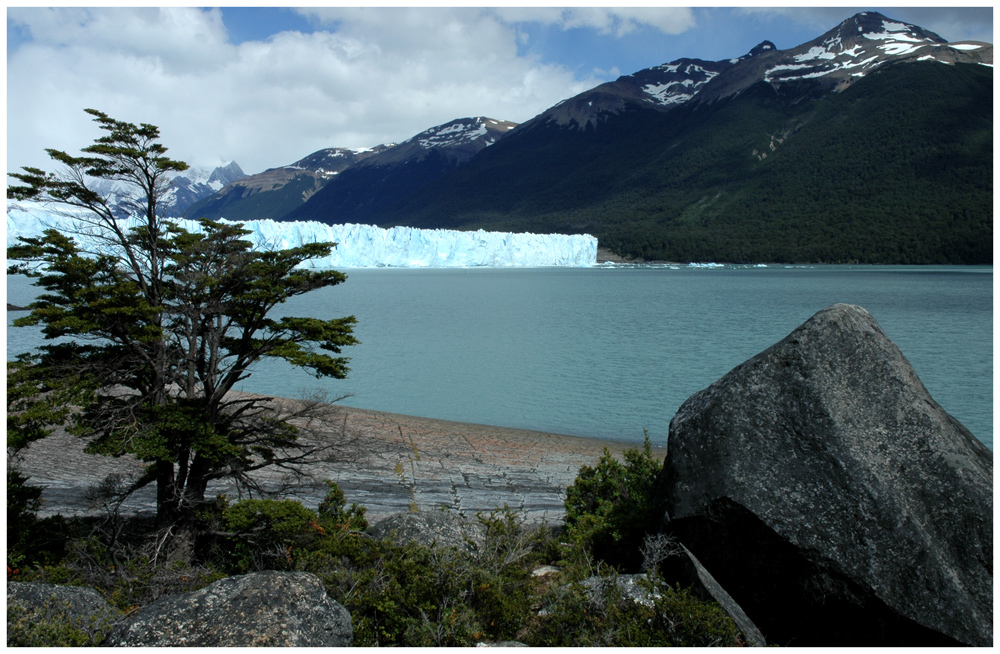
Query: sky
{"points": [[266, 86]]}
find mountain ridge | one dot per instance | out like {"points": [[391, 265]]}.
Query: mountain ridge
{"points": [[193, 185], [672, 161]]}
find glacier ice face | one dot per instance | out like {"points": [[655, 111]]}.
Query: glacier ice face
{"points": [[366, 246]]}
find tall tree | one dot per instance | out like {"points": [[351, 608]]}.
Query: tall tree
{"points": [[164, 323]]}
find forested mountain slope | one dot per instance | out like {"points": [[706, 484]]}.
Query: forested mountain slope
{"points": [[895, 168]]}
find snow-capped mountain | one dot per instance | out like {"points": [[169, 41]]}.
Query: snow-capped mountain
{"points": [[457, 141], [362, 246], [372, 173], [276, 190], [845, 54], [196, 183], [751, 158], [661, 87], [324, 164], [871, 143], [366, 182]]}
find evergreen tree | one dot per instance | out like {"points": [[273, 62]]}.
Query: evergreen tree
{"points": [[164, 322]]}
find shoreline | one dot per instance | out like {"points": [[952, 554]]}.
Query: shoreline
{"points": [[390, 463]]}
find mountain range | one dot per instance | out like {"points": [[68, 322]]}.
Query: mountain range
{"points": [[193, 185], [871, 143]]}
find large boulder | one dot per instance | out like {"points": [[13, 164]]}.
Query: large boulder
{"points": [[75, 601], [261, 609], [431, 529], [832, 497], [41, 614]]}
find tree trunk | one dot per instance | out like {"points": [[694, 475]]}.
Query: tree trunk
{"points": [[167, 498]]}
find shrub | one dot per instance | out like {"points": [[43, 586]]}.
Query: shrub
{"points": [[603, 616], [263, 534], [130, 574], [409, 594], [609, 507], [416, 595], [272, 534], [333, 514]]}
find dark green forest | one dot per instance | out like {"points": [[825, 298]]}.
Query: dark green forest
{"points": [[895, 169]]}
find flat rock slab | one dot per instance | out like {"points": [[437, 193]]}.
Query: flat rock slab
{"points": [[396, 463]]}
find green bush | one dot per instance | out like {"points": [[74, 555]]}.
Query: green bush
{"points": [[609, 507], [273, 534], [334, 514], [576, 616], [415, 595], [264, 534], [129, 575]]}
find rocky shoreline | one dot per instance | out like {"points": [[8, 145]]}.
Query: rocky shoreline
{"points": [[390, 463]]}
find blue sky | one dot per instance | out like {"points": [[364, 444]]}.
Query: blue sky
{"points": [[267, 86]]}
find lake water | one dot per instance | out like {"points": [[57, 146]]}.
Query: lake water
{"points": [[607, 352]]}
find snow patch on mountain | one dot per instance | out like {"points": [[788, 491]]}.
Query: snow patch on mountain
{"points": [[359, 246], [193, 184], [455, 133], [859, 45], [815, 52], [677, 86]]}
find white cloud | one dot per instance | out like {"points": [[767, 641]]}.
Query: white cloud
{"points": [[365, 78], [618, 21]]}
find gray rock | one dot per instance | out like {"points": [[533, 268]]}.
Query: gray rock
{"points": [[633, 587], [430, 528], [832, 497], [261, 609], [83, 608], [545, 571], [687, 570]]}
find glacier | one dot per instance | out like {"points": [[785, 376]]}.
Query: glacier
{"points": [[360, 246]]}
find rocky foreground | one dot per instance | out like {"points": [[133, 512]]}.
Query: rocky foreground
{"points": [[817, 492]]}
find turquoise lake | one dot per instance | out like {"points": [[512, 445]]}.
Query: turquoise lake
{"points": [[606, 352]]}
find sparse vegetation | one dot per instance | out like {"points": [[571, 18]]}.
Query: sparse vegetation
{"points": [[402, 594]]}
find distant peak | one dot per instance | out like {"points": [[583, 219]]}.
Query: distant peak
{"points": [[462, 131], [874, 25], [762, 47]]}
